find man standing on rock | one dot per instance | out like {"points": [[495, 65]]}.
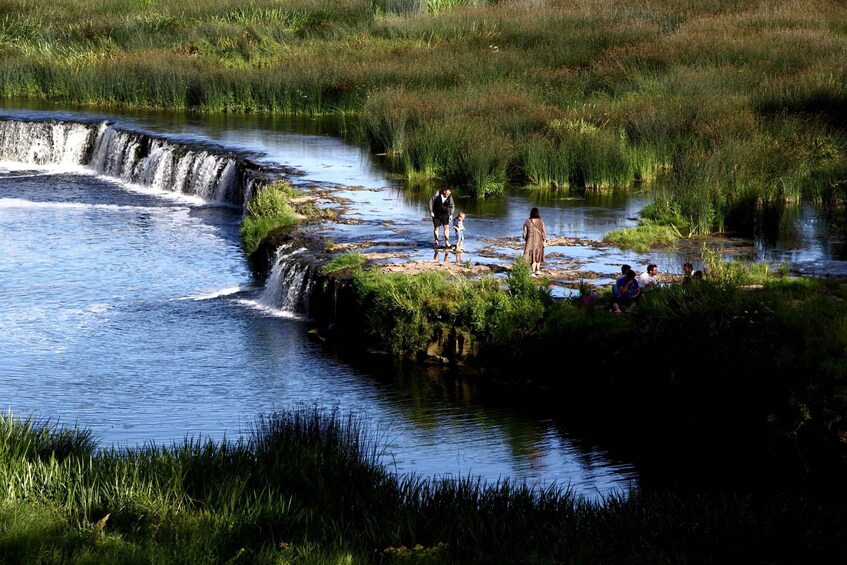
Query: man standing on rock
{"points": [[441, 212]]}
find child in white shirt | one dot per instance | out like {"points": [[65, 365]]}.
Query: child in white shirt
{"points": [[459, 228]]}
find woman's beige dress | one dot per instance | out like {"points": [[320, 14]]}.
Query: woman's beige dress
{"points": [[534, 234]]}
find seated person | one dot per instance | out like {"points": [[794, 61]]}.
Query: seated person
{"points": [[624, 269], [648, 279], [625, 292]]}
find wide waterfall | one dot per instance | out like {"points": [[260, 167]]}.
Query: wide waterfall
{"points": [[213, 174]]}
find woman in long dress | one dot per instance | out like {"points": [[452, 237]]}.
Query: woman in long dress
{"points": [[534, 236]]}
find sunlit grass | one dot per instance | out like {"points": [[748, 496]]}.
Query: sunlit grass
{"points": [[646, 235], [269, 209], [346, 262], [738, 104]]}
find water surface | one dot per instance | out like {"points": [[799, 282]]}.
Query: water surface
{"points": [[133, 313]]}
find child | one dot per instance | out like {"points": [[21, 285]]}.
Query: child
{"points": [[459, 228]]}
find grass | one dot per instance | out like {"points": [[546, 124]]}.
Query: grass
{"points": [[646, 235], [736, 112], [268, 210], [346, 262], [740, 105], [306, 486]]}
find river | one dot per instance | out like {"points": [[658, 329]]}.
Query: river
{"points": [[131, 311]]}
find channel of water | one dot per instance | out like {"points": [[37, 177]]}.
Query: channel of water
{"points": [[130, 310]]}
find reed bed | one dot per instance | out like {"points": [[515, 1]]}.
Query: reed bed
{"points": [[306, 486], [476, 93]]}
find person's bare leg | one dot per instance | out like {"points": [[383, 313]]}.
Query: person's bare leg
{"points": [[435, 235], [447, 235]]}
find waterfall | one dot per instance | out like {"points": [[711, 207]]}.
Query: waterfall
{"points": [[290, 282], [212, 174], [45, 143]]}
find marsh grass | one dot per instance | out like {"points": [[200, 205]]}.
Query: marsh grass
{"points": [[267, 210], [405, 314], [646, 235], [306, 485], [739, 273], [568, 96], [407, 310], [346, 262]]}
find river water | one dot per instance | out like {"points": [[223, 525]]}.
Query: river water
{"points": [[131, 311]]}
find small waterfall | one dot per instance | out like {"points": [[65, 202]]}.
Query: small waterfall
{"points": [[289, 285], [214, 175], [164, 165], [46, 143]]}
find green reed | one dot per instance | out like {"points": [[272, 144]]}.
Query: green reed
{"points": [[475, 93], [307, 485]]}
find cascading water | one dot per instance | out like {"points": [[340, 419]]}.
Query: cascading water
{"points": [[289, 283], [138, 158], [133, 157], [46, 143], [126, 312]]}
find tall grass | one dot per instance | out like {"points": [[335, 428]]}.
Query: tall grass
{"points": [[485, 95], [305, 485]]}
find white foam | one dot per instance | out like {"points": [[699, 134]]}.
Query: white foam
{"points": [[23, 203], [276, 312], [214, 294]]}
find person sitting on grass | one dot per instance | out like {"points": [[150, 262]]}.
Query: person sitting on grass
{"points": [[625, 293], [648, 280]]}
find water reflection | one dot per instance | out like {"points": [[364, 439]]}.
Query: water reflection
{"points": [[523, 434], [447, 254], [133, 345]]}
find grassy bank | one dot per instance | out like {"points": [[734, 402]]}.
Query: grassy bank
{"points": [[746, 362], [749, 360], [306, 487], [737, 108]]}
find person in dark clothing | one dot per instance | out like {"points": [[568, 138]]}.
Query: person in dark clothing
{"points": [[687, 272], [441, 211], [626, 292]]}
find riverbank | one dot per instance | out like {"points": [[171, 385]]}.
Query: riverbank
{"points": [[306, 488], [746, 363]]}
